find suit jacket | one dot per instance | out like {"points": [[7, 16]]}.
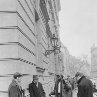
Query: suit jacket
{"points": [[36, 91], [85, 87], [15, 90], [55, 92]]}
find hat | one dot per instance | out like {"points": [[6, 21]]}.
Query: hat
{"points": [[58, 75], [78, 74], [17, 74], [35, 77]]}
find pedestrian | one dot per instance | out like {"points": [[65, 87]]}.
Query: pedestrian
{"points": [[85, 87], [59, 87], [68, 88], [70, 84], [36, 88], [15, 89]]}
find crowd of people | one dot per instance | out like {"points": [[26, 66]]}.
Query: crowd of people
{"points": [[63, 86]]}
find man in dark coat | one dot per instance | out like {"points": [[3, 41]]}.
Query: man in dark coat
{"points": [[85, 87], [15, 89], [59, 87], [36, 88]]}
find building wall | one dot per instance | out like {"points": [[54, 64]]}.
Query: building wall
{"points": [[65, 54], [23, 41], [17, 42], [43, 63], [46, 64]]}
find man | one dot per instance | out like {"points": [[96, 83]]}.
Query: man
{"points": [[59, 86], [15, 89], [85, 87], [68, 88], [36, 88], [70, 83]]}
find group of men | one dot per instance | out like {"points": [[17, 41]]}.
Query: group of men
{"points": [[35, 88], [63, 88]]}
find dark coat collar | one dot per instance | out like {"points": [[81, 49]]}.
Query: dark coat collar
{"points": [[80, 79]]}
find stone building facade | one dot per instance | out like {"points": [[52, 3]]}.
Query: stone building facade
{"points": [[26, 27], [65, 53]]}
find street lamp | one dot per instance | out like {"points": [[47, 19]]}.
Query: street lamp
{"points": [[54, 41], [56, 47]]}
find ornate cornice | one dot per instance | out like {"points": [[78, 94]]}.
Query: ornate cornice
{"points": [[36, 16], [53, 12], [46, 17], [44, 10]]}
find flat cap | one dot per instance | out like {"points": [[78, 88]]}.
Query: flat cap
{"points": [[78, 74], [35, 77], [17, 74]]}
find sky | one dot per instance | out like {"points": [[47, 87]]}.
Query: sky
{"points": [[78, 25]]}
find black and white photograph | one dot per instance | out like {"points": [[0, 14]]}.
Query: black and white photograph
{"points": [[48, 48]]}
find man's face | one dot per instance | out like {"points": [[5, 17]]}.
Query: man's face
{"points": [[19, 79], [66, 81], [35, 80]]}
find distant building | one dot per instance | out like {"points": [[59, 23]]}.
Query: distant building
{"points": [[94, 61], [59, 68], [65, 53], [73, 64]]}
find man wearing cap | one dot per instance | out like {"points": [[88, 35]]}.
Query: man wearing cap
{"points": [[85, 87], [36, 88], [15, 89]]}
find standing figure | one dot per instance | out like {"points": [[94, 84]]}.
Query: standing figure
{"points": [[85, 87], [70, 84], [68, 88], [59, 87], [36, 88], [15, 89]]}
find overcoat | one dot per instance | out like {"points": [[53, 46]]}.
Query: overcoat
{"points": [[15, 90], [36, 91], [85, 87], [62, 89]]}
